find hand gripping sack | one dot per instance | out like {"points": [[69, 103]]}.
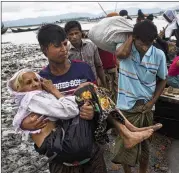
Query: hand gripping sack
{"points": [[108, 32]]}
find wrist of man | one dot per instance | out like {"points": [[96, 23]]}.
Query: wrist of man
{"points": [[153, 101]]}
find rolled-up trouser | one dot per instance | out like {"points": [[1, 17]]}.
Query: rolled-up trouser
{"points": [[140, 151]]}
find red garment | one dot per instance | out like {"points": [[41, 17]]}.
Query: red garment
{"points": [[174, 70], [108, 59]]}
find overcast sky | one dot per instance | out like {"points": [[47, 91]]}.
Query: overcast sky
{"points": [[18, 10]]}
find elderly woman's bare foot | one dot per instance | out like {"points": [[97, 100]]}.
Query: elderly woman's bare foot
{"points": [[133, 138], [154, 127]]}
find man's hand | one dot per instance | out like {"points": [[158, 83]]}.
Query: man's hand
{"points": [[84, 84], [33, 122], [148, 107], [87, 111]]}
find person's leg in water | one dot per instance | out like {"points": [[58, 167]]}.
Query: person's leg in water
{"points": [[130, 138]]}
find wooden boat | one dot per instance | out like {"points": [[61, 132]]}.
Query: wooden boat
{"points": [[3, 30], [24, 30]]}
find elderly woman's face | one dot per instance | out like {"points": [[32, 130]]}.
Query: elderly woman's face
{"points": [[30, 82]]}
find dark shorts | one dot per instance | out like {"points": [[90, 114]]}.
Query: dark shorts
{"points": [[95, 165]]}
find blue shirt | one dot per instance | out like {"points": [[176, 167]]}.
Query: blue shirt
{"points": [[78, 73], [137, 78]]}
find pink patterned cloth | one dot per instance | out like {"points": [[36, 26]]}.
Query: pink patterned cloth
{"points": [[174, 70]]}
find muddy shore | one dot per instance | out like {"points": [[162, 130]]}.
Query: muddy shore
{"points": [[17, 154]]}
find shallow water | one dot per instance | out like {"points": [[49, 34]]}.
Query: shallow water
{"points": [[30, 37]]}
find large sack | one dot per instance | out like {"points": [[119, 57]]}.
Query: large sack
{"points": [[110, 31]]}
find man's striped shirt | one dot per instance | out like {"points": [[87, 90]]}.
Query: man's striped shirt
{"points": [[137, 78]]}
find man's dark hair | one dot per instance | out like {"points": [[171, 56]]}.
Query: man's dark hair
{"points": [[150, 17], [50, 34], [123, 13], [146, 31], [140, 13], [72, 24]]}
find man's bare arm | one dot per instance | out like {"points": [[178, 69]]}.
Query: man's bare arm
{"points": [[124, 50], [158, 91]]}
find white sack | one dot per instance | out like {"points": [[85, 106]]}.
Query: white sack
{"points": [[110, 31]]}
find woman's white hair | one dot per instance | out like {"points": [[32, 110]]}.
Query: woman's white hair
{"points": [[16, 81]]}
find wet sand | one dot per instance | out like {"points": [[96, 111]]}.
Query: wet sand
{"points": [[17, 154]]}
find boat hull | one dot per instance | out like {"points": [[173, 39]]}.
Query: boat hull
{"points": [[167, 113], [24, 30]]}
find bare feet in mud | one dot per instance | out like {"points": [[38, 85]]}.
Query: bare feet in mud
{"points": [[154, 127], [134, 138]]}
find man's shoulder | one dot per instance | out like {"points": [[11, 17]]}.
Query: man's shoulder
{"points": [[44, 69], [89, 42], [158, 52], [157, 49], [79, 63], [81, 68]]}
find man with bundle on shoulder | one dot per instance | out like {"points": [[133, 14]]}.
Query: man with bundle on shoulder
{"points": [[142, 79]]}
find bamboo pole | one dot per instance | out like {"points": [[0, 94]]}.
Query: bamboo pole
{"points": [[115, 7], [102, 8]]}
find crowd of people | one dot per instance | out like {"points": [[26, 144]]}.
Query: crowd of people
{"points": [[62, 107]]}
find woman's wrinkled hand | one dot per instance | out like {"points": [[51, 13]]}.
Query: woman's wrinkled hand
{"points": [[33, 122], [47, 85]]}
